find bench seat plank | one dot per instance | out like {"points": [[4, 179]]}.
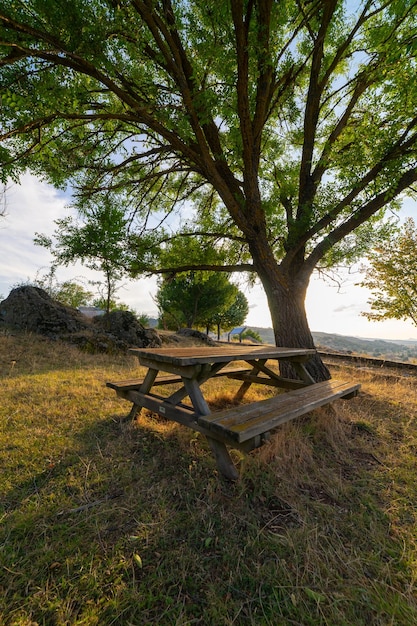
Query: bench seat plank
{"points": [[246, 421], [135, 383], [278, 381]]}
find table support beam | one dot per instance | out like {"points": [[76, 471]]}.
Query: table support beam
{"points": [[221, 454], [256, 366], [224, 462], [145, 387]]}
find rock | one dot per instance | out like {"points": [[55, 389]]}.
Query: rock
{"points": [[32, 309], [190, 332], [124, 326]]}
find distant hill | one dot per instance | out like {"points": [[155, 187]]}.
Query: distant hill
{"points": [[380, 348], [403, 351]]}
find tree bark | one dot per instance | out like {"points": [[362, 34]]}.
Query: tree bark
{"points": [[291, 328], [286, 293]]}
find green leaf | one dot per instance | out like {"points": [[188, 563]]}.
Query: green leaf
{"points": [[314, 595]]}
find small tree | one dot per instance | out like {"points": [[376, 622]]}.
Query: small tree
{"points": [[73, 294], [193, 299], [68, 292], [143, 319], [99, 242], [392, 276], [112, 305], [252, 334], [231, 316]]}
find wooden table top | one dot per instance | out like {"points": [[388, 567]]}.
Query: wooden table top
{"points": [[196, 355]]}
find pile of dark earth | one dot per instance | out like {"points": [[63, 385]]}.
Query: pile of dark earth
{"points": [[31, 309]]}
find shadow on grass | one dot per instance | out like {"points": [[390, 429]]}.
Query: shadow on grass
{"points": [[133, 525]]}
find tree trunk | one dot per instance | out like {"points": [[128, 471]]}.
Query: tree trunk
{"points": [[286, 298]]}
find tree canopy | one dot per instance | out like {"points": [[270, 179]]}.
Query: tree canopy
{"points": [[392, 276], [99, 241], [246, 135], [231, 315], [198, 300]]}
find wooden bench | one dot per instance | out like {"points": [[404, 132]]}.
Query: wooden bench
{"points": [[251, 423], [123, 388], [135, 383], [169, 379]]}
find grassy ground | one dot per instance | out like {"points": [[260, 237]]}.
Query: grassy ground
{"points": [[104, 522]]}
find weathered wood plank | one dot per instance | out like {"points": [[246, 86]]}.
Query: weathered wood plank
{"points": [[135, 383], [194, 392], [157, 404], [249, 420], [196, 356], [223, 460], [278, 381]]}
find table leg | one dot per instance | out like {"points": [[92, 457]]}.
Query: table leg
{"points": [[224, 462], [242, 390], [149, 380], [201, 376], [197, 399], [221, 454], [145, 387]]}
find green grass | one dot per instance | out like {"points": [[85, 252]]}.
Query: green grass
{"points": [[104, 522]]}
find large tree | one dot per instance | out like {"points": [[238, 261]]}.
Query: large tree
{"points": [[287, 125]]}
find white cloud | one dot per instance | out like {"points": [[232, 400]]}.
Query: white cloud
{"points": [[32, 207]]}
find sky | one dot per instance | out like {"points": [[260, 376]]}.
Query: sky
{"points": [[32, 206]]}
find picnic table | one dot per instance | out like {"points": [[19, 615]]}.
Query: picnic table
{"points": [[245, 426]]}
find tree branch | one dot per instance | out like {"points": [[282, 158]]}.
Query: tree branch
{"points": [[172, 271], [200, 233], [399, 149], [312, 109], [359, 218]]}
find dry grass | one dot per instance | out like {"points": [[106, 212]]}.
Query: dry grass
{"points": [[105, 522]]}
